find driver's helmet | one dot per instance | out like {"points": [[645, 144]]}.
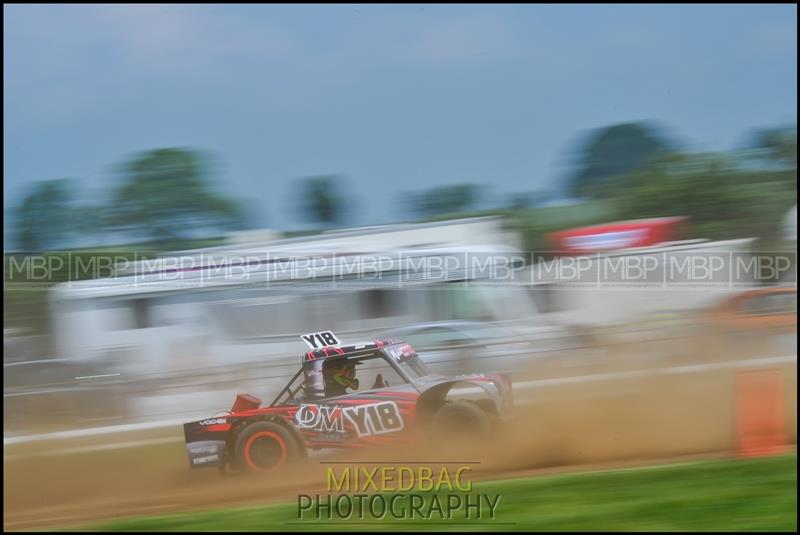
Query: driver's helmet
{"points": [[340, 372]]}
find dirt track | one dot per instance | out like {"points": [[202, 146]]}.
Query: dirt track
{"points": [[594, 423]]}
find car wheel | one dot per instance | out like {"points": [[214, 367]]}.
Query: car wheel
{"points": [[461, 423], [265, 447]]}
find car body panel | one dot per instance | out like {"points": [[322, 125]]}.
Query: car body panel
{"points": [[761, 308]]}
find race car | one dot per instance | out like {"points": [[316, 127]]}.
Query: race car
{"points": [[315, 409]]}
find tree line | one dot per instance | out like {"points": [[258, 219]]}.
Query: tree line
{"points": [[633, 171], [630, 170]]}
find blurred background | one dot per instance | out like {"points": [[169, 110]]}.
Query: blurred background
{"points": [[170, 170]]}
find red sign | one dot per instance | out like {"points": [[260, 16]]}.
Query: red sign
{"points": [[615, 236]]}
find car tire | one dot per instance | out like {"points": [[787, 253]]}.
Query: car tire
{"points": [[265, 447], [460, 423]]}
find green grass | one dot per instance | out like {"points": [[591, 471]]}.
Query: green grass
{"points": [[735, 495]]}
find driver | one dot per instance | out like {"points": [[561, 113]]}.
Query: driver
{"points": [[339, 374]]}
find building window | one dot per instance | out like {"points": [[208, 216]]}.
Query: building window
{"points": [[141, 314], [375, 303]]}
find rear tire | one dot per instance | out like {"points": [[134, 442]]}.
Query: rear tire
{"points": [[265, 447]]}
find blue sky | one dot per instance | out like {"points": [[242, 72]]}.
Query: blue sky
{"points": [[396, 98]]}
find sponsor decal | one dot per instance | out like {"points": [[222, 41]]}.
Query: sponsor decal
{"points": [[204, 460], [320, 339], [375, 418], [212, 448], [205, 452], [214, 421], [402, 352], [606, 240], [368, 419], [319, 418], [332, 437]]}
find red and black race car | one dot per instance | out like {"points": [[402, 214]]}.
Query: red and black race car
{"points": [[399, 402]]}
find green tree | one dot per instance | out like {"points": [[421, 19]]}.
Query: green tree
{"points": [[322, 198], [722, 200], [165, 194], [446, 200], [46, 217], [615, 151], [525, 200], [777, 146]]}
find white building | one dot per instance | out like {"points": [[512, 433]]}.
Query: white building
{"points": [[236, 303], [638, 284]]}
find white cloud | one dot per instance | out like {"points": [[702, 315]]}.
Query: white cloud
{"points": [[461, 39], [67, 58], [776, 37], [195, 41], [190, 39]]}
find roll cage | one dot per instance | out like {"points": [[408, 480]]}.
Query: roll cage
{"points": [[308, 381]]}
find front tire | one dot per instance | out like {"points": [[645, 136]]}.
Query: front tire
{"points": [[461, 425]]}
